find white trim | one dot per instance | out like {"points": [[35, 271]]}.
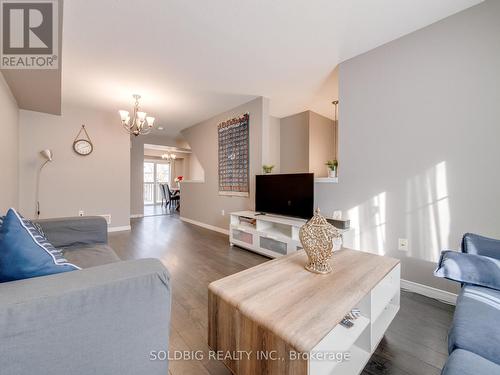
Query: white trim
{"points": [[206, 226], [428, 291], [119, 229], [136, 216]]}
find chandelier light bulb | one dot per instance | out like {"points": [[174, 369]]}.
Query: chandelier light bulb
{"points": [[124, 115], [141, 116], [150, 120]]}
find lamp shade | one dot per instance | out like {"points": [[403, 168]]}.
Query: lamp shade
{"points": [[123, 115], [47, 154]]}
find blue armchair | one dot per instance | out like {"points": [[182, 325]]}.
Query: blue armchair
{"points": [[474, 338]]}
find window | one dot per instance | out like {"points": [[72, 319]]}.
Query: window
{"points": [[155, 173]]}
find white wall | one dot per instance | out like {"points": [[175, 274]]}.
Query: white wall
{"points": [[419, 142], [9, 142], [200, 201], [97, 184]]}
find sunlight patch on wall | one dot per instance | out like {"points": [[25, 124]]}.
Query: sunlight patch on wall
{"points": [[368, 225], [428, 213]]}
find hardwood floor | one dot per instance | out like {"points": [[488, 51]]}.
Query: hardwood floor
{"points": [[415, 343]]}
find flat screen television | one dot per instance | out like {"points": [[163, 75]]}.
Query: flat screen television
{"points": [[285, 194]]}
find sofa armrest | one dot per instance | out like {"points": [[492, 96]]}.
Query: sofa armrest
{"points": [[101, 320], [75, 231], [480, 245]]}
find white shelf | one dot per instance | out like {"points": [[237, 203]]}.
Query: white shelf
{"points": [[327, 180], [280, 232]]}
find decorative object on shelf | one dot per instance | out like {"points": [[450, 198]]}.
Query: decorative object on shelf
{"points": [[332, 168], [139, 123], [47, 155], [233, 144], [267, 168], [317, 237], [83, 146]]}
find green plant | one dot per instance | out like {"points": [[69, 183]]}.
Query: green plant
{"points": [[332, 164], [267, 168]]}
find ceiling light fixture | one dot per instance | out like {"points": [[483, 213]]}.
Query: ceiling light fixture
{"points": [[169, 157], [139, 123], [161, 128]]}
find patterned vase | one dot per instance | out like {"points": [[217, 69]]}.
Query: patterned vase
{"points": [[317, 237]]}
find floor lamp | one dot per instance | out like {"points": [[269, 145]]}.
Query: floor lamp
{"points": [[47, 155]]}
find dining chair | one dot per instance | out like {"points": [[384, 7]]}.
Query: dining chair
{"points": [[164, 197], [175, 197]]}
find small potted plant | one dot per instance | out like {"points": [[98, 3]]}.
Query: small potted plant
{"points": [[332, 166], [267, 168]]}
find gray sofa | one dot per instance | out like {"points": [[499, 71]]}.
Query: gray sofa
{"points": [[104, 319], [474, 338]]}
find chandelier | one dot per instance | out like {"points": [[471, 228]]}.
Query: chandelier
{"points": [[139, 123], [169, 157]]}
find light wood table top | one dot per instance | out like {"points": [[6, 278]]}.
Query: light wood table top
{"points": [[296, 305]]}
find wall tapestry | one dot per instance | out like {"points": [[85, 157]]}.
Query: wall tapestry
{"points": [[234, 156]]}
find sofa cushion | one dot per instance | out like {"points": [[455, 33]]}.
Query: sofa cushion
{"points": [[90, 256], [469, 269], [462, 362], [480, 245], [475, 324], [25, 253]]}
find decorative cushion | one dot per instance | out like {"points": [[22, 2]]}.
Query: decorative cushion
{"points": [[25, 253], [475, 325], [469, 269], [462, 362], [480, 245]]}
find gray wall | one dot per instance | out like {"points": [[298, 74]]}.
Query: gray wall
{"points": [[98, 183], [137, 168], [419, 141], [9, 141], [294, 140], [306, 143], [321, 143], [200, 201]]}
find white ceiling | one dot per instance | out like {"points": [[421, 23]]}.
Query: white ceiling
{"points": [[193, 59]]}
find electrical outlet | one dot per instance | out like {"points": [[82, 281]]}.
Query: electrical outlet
{"points": [[81, 213], [403, 244], [223, 212]]}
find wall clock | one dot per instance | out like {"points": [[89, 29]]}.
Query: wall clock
{"points": [[83, 145]]}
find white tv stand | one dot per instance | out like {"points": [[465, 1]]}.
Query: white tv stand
{"points": [[270, 235]]}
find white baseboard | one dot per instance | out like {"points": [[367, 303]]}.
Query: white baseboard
{"points": [[136, 216], [428, 291], [206, 226], [119, 229]]}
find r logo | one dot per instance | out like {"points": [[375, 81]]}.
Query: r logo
{"points": [[29, 29]]}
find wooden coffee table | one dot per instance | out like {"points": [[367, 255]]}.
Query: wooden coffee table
{"points": [[278, 318]]}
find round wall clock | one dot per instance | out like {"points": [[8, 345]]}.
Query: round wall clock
{"points": [[83, 146]]}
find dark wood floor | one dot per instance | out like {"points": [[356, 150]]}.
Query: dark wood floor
{"points": [[415, 343]]}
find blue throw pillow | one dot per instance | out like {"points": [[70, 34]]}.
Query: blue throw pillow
{"points": [[469, 269], [25, 253]]}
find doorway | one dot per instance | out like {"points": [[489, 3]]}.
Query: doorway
{"points": [[156, 172]]}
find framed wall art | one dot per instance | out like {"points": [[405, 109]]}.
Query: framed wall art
{"points": [[234, 158]]}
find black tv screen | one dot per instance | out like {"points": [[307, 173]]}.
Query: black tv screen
{"points": [[285, 194]]}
